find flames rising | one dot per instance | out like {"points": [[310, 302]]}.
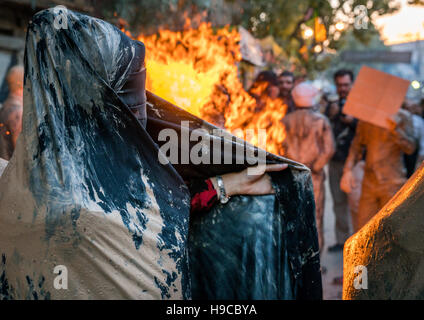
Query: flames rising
{"points": [[196, 69]]}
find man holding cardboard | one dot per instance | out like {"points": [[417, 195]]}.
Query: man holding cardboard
{"points": [[384, 133]]}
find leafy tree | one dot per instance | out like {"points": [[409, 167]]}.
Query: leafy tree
{"points": [[148, 16], [416, 2], [285, 20]]}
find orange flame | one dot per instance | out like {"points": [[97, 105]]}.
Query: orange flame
{"points": [[196, 69]]}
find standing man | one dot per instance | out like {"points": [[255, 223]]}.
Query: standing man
{"points": [[11, 112], [344, 130], [384, 172], [309, 140], [265, 86], [286, 85], [418, 125]]}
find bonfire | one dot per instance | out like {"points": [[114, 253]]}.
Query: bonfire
{"points": [[197, 70]]}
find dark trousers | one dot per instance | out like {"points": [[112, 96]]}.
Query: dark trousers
{"points": [[340, 201]]}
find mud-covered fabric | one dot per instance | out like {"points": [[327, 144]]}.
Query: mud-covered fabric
{"points": [[384, 260], [254, 247], [258, 247], [86, 199], [84, 189]]}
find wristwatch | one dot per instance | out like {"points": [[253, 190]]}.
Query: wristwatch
{"points": [[223, 198]]}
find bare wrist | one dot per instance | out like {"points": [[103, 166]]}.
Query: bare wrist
{"points": [[230, 185]]}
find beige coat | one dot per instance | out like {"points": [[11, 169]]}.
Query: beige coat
{"points": [[309, 140]]}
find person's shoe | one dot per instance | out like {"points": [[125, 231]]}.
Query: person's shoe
{"points": [[337, 247], [323, 270], [338, 281]]}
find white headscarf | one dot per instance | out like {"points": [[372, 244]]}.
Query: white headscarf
{"points": [[305, 95]]}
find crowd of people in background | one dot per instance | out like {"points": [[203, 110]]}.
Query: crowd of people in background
{"points": [[367, 164]]}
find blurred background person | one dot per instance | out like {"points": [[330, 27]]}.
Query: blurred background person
{"points": [[420, 157], [309, 140], [286, 85], [11, 112], [344, 130], [264, 87], [418, 127], [327, 98], [384, 172]]}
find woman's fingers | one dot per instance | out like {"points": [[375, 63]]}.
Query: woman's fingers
{"points": [[259, 187], [268, 189], [244, 183], [260, 170], [276, 167], [265, 185]]}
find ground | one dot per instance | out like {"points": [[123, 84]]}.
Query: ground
{"points": [[333, 262]]}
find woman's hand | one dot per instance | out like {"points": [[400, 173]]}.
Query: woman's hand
{"points": [[347, 182], [250, 184]]}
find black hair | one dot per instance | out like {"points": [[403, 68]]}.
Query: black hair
{"points": [[343, 72], [267, 76], [287, 74]]}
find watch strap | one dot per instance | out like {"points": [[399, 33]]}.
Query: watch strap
{"points": [[223, 198]]}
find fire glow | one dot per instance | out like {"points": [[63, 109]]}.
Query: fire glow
{"points": [[196, 69]]}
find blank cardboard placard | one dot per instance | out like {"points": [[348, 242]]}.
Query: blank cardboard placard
{"points": [[375, 96]]}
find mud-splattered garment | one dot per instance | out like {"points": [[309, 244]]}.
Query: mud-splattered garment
{"points": [[10, 125], [309, 140], [98, 202], [384, 171], [84, 193]]}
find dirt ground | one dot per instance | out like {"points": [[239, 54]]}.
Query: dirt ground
{"points": [[333, 262]]}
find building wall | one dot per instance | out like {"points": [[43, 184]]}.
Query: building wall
{"points": [[414, 70]]}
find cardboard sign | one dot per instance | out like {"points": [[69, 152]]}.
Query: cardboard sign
{"points": [[375, 96]]}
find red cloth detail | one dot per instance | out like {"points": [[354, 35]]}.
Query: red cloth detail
{"points": [[204, 199]]}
